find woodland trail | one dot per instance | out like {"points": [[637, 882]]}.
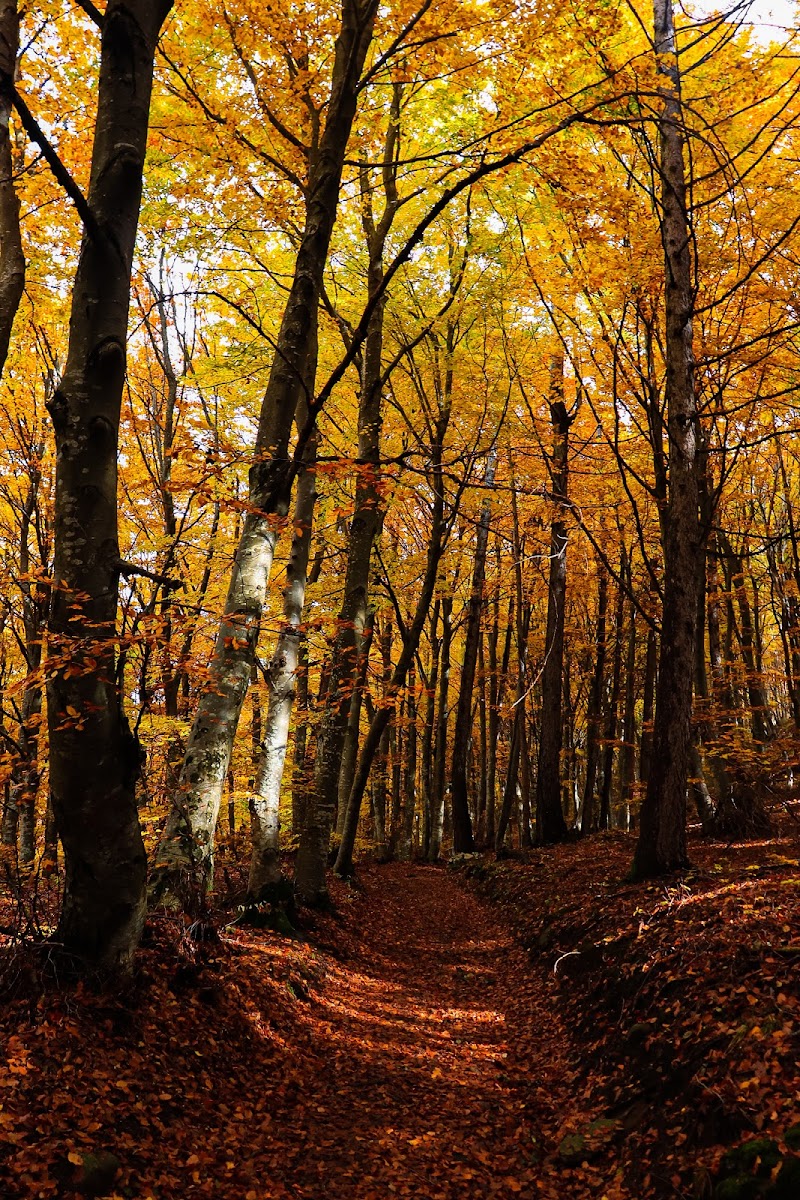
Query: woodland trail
{"points": [[407, 1047], [439, 1065]]}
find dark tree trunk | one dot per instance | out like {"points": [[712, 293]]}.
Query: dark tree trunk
{"points": [[550, 824], [463, 841], [330, 786], [761, 718], [94, 757], [595, 710], [413, 633], [299, 761], [440, 744], [409, 768], [662, 838], [628, 763], [648, 705], [12, 259], [613, 702], [483, 747], [350, 747], [428, 732], [512, 776]]}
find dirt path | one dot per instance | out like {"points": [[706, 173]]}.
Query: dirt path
{"points": [[407, 1049], [415, 1081]]}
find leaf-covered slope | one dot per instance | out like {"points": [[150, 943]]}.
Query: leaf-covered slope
{"points": [[683, 1002]]}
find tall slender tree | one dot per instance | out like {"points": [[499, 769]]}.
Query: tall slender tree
{"points": [[662, 839]]}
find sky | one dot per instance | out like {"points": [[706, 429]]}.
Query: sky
{"points": [[764, 13]]}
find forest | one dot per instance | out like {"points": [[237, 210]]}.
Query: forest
{"points": [[399, 468]]}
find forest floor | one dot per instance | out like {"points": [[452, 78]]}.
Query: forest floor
{"points": [[533, 1028]]}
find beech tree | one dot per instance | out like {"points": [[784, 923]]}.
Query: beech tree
{"points": [[184, 859], [662, 839], [94, 757]]}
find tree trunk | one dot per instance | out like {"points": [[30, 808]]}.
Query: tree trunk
{"points": [[512, 775], [628, 764], [300, 781], [396, 782], [550, 824], [463, 841], [184, 859], [94, 757], [662, 838], [762, 723], [613, 702], [365, 528], [12, 259], [428, 732], [265, 868], [595, 710], [648, 705], [413, 633], [350, 749], [409, 768], [483, 747], [440, 752]]}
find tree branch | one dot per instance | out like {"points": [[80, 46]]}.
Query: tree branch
{"points": [[127, 569], [92, 12], [62, 175]]}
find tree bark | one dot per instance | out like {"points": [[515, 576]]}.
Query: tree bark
{"points": [[12, 258], [628, 763], [265, 868], [613, 701], [550, 824], [440, 742], [428, 731], [413, 633], [94, 757], [761, 718], [595, 710], [662, 838], [185, 854], [463, 840], [365, 528], [409, 768]]}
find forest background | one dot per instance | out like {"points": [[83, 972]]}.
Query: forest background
{"points": [[428, 438]]}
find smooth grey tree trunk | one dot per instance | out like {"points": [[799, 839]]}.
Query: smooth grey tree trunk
{"points": [[185, 855], [281, 676], [350, 748]]}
